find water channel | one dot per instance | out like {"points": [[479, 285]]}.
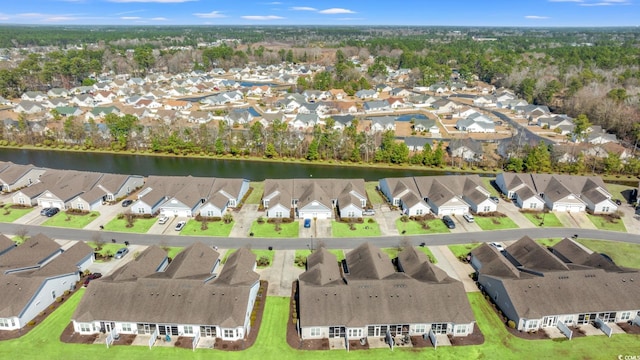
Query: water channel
{"points": [[183, 166]]}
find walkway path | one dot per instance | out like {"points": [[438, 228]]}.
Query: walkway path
{"points": [[243, 220], [281, 273]]}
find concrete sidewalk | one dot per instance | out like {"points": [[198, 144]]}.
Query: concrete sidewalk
{"points": [[243, 220], [281, 273]]}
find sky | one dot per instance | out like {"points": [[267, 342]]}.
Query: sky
{"points": [[529, 13]]}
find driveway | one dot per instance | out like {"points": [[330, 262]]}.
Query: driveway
{"points": [[107, 213], [386, 218], [281, 273], [243, 220], [630, 219], [108, 267], [575, 220], [453, 267], [513, 212]]}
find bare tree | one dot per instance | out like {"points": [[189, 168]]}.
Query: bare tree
{"points": [[96, 238], [21, 234]]}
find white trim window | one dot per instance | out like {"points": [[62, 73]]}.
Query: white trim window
{"points": [[533, 205], [461, 329], [625, 315], [85, 327], [314, 331], [420, 328], [532, 324], [126, 327], [229, 333], [354, 333], [188, 330]]}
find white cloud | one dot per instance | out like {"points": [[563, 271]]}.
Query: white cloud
{"points": [[4, 17], [336, 11], [536, 17], [274, 3], [59, 18], [303, 8], [574, 1], [262, 17], [212, 15], [159, 19], [130, 18], [129, 12]]}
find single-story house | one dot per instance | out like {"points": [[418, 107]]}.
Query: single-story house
{"points": [[186, 298], [366, 297], [16, 176], [537, 288], [36, 273]]}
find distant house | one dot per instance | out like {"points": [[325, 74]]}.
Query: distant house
{"points": [[537, 288], [36, 96], [383, 123], [366, 94], [371, 299], [305, 121], [36, 273], [314, 198], [16, 176], [28, 107], [465, 148], [476, 123], [224, 298], [444, 106], [376, 106], [429, 125], [415, 143]]}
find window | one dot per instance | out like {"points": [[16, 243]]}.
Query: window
{"points": [[53, 294], [461, 329], [315, 331], [396, 202], [228, 333], [351, 214], [605, 209], [419, 212], [487, 209], [533, 205], [209, 213], [625, 315], [141, 210], [80, 206], [532, 324], [85, 327], [279, 214], [21, 201], [188, 330], [354, 333], [421, 328], [266, 203], [126, 327]]}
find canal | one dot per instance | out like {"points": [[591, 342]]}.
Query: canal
{"points": [[183, 166]]}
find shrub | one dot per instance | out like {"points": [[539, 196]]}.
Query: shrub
{"points": [[511, 324], [31, 323], [263, 261], [59, 299], [371, 221]]}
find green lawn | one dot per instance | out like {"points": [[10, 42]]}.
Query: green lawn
{"points": [[256, 193], [43, 342], [107, 248], [266, 230], [374, 195], [172, 251], [7, 214], [549, 242], [487, 182], [550, 219], [342, 230], [463, 249], [429, 254], [214, 228], [623, 254], [339, 253], [603, 223], [616, 191], [259, 253], [414, 228], [495, 223], [75, 221], [140, 226]]}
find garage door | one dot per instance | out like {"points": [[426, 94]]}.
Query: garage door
{"points": [[444, 212], [45, 204], [560, 208], [317, 215], [575, 208]]}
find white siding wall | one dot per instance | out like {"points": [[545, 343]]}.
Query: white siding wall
{"points": [[140, 207], [272, 211], [43, 297]]}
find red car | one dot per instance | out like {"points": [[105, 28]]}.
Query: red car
{"points": [[92, 277]]}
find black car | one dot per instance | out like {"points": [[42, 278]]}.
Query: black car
{"points": [[127, 202], [51, 211], [92, 277], [449, 222]]}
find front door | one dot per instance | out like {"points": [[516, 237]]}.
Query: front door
{"points": [[550, 321], [147, 328], [107, 327], [376, 331]]}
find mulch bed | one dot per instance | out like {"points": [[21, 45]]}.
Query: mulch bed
{"points": [[70, 337], [14, 334], [537, 335], [475, 338], [418, 341], [292, 333], [576, 332], [250, 339], [126, 339], [356, 345], [629, 328], [184, 342]]}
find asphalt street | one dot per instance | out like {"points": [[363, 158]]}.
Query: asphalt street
{"points": [[303, 243]]}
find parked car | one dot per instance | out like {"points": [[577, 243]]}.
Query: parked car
{"points": [[307, 223], [468, 217], [618, 202], [495, 199], [92, 277], [121, 253], [180, 225], [127, 202], [498, 246], [449, 222], [369, 212], [163, 220], [43, 212], [51, 211]]}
